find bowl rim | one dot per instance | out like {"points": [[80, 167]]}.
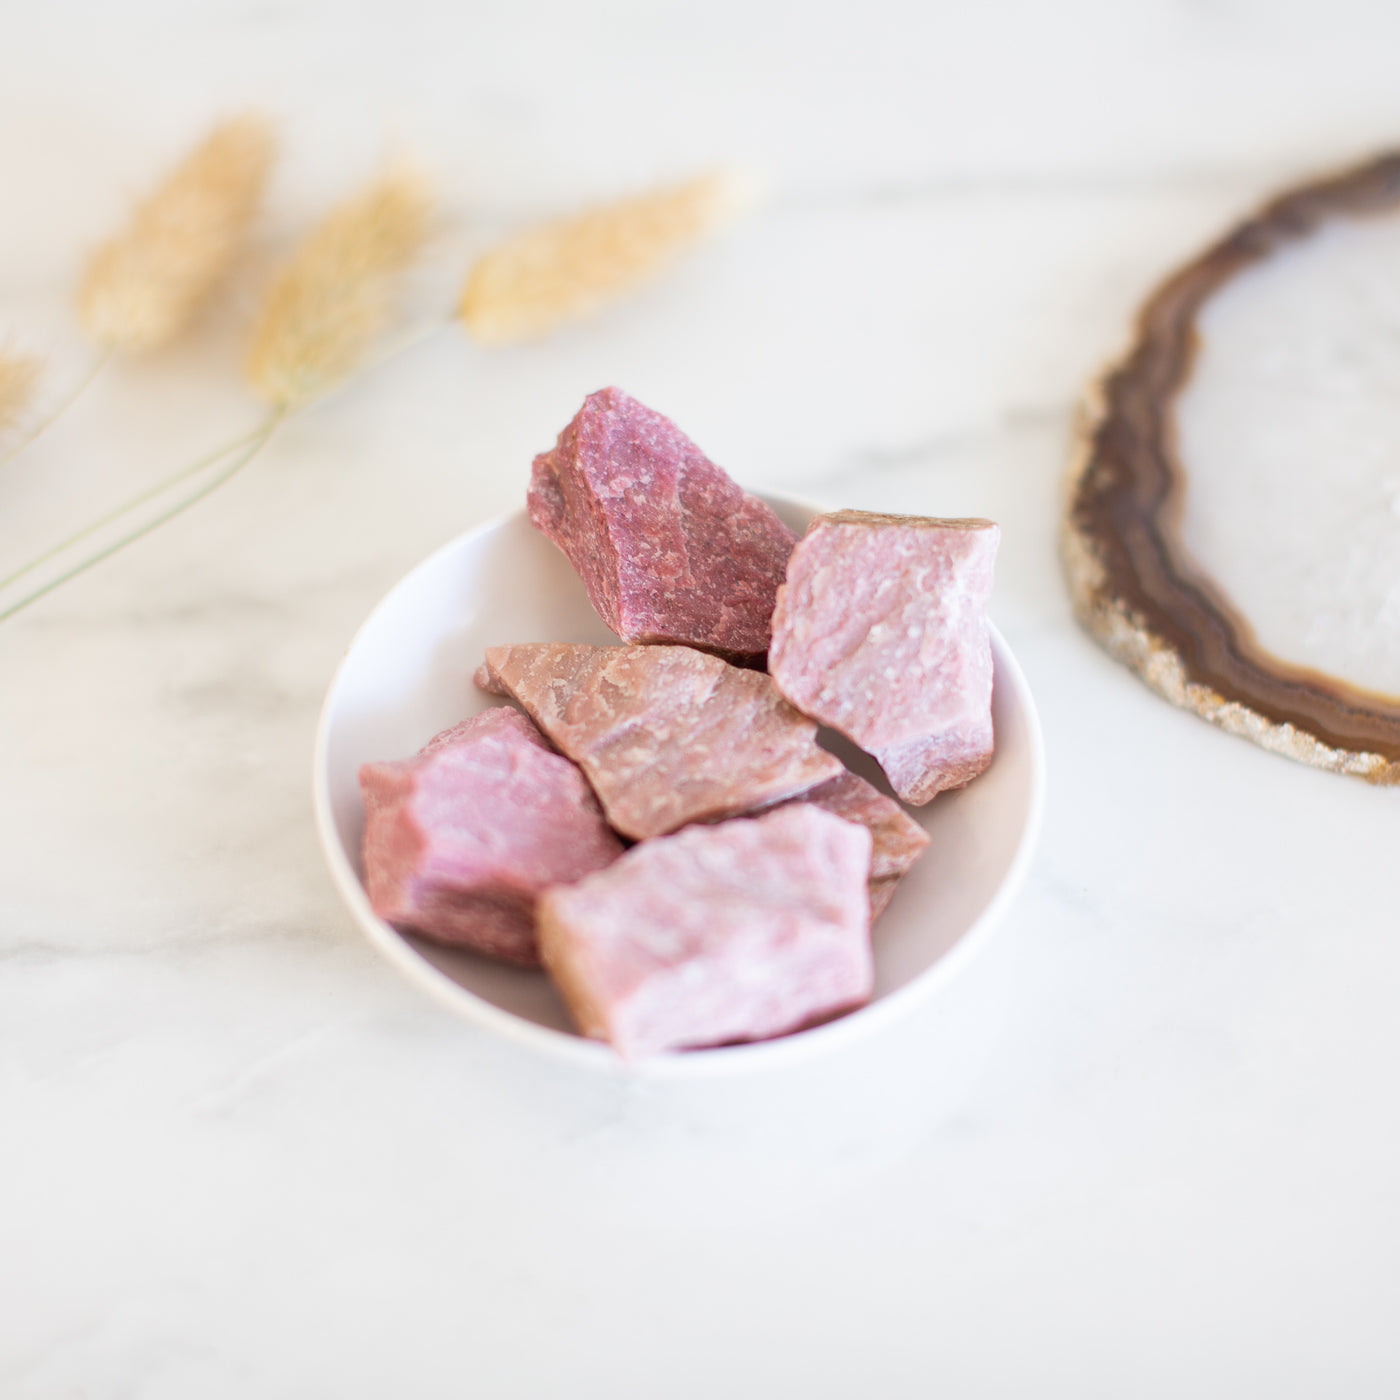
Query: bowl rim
{"points": [[577, 1049]]}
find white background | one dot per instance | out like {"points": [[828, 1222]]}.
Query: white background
{"points": [[1146, 1146]]}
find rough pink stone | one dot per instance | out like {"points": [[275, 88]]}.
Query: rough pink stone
{"points": [[737, 931], [666, 735], [898, 839], [881, 632], [461, 838], [881, 893], [668, 546]]}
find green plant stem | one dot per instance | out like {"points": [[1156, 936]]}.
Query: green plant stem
{"points": [[373, 363], [253, 446], [126, 507], [253, 442], [54, 414]]}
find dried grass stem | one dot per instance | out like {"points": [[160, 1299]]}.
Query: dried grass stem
{"points": [[244, 451]]}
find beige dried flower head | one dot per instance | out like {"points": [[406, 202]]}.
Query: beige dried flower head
{"points": [[19, 377], [535, 281], [142, 288], [330, 301]]}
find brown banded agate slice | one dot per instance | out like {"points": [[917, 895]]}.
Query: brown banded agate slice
{"points": [[666, 735], [738, 931], [669, 547], [1134, 583]]}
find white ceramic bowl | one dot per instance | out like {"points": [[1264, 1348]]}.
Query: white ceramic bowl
{"points": [[408, 674]]}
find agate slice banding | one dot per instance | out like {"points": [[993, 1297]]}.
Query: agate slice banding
{"points": [[1147, 569]]}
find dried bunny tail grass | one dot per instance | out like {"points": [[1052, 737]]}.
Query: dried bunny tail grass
{"points": [[142, 288], [19, 378], [535, 281], [327, 305]]}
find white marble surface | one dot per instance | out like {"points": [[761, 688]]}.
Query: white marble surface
{"points": [[1146, 1146]]}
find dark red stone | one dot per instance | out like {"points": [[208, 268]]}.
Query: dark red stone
{"points": [[669, 548]]}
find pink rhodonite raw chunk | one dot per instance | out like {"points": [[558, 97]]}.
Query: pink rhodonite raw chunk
{"points": [[737, 931], [666, 735], [669, 548], [461, 838], [898, 839], [881, 632]]}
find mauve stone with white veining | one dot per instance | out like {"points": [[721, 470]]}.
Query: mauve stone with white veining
{"points": [[881, 632], [738, 931], [669, 548], [666, 735], [461, 838]]}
